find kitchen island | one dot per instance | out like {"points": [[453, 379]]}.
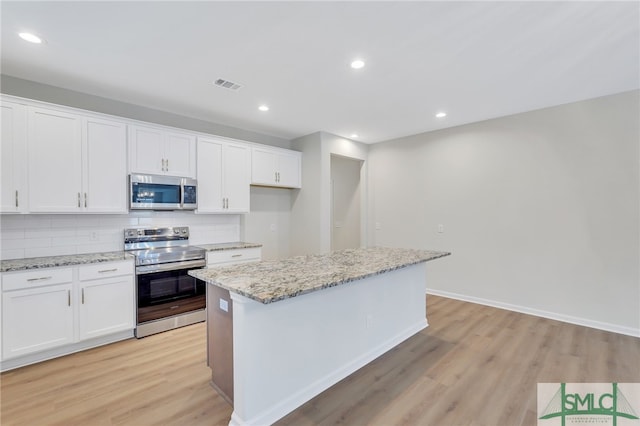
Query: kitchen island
{"points": [[302, 324]]}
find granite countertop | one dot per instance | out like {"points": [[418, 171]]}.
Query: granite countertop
{"points": [[271, 281], [65, 260], [228, 246]]}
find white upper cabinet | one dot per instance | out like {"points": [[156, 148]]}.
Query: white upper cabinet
{"points": [[76, 163], [275, 167], [12, 157], [223, 176], [55, 156], [158, 151], [105, 179]]}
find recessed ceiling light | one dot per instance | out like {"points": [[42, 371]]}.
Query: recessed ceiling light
{"points": [[441, 115], [357, 64], [263, 108], [31, 38], [354, 135]]}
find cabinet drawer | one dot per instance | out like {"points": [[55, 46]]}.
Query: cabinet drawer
{"points": [[106, 270], [36, 278], [233, 256]]}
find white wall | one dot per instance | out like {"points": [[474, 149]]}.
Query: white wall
{"points": [[306, 211], [57, 234], [540, 210], [269, 221], [345, 202]]}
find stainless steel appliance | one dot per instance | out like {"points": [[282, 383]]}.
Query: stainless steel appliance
{"points": [[153, 192], [167, 297]]}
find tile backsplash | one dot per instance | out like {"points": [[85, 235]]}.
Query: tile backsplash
{"points": [[56, 234]]}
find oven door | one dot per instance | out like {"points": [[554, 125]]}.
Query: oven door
{"points": [[167, 292]]}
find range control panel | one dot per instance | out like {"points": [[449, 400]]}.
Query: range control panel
{"points": [[156, 234]]}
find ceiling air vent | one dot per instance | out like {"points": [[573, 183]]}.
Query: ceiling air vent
{"points": [[227, 84]]}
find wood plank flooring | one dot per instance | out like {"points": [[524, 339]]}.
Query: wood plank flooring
{"points": [[474, 365]]}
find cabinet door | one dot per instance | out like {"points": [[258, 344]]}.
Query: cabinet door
{"points": [[180, 154], [146, 150], [36, 319], [54, 159], [289, 170], [263, 166], [237, 179], [12, 157], [210, 176], [105, 176], [106, 306]]}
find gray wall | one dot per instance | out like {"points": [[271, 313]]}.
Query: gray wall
{"points": [[311, 205], [29, 89], [540, 210]]}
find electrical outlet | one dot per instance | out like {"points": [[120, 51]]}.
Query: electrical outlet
{"points": [[378, 226], [273, 227], [93, 236], [224, 305], [440, 229]]}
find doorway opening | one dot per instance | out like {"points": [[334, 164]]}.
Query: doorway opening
{"points": [[345, 203]]}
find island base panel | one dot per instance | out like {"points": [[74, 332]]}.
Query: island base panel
{"points": [[220, 340], [287, 352]]}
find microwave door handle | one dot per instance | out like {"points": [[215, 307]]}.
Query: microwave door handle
{"points": [[182, 193]]}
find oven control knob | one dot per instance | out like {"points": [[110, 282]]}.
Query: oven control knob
{"points": [[184, 231], [176, 231]]}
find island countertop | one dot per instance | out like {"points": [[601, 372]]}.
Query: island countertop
{"points": [[271, 281]]}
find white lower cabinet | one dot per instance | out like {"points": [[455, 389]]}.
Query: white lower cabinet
{"points": [[55, 311], [106, 304], [233, 256], [36, 319]]}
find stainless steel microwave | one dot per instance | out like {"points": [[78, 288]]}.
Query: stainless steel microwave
{"points": [[154, 192]]}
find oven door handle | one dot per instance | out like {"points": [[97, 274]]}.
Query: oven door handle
{"points": [[175, 266]]}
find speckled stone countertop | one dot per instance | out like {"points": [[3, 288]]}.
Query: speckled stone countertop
{"points": [[228, 246], [271, 281], [65, 260]]}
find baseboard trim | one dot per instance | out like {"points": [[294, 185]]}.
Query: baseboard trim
{"points": [[28, 359], [628, 331]]}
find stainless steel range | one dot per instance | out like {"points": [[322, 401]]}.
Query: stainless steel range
{"points": [[167, 297]]}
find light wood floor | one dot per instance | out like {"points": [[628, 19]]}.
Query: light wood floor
{"points": [[473, 365]]}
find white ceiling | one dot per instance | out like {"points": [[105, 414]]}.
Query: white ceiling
{"points": [[474, 60]]}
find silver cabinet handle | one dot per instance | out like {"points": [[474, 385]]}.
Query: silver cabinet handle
{"points": [[236, 255], [83, 296], [39, 279], [167, 165], [78, 199], [68, 297], [85, 199], [16, 198], [107, 270]]}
